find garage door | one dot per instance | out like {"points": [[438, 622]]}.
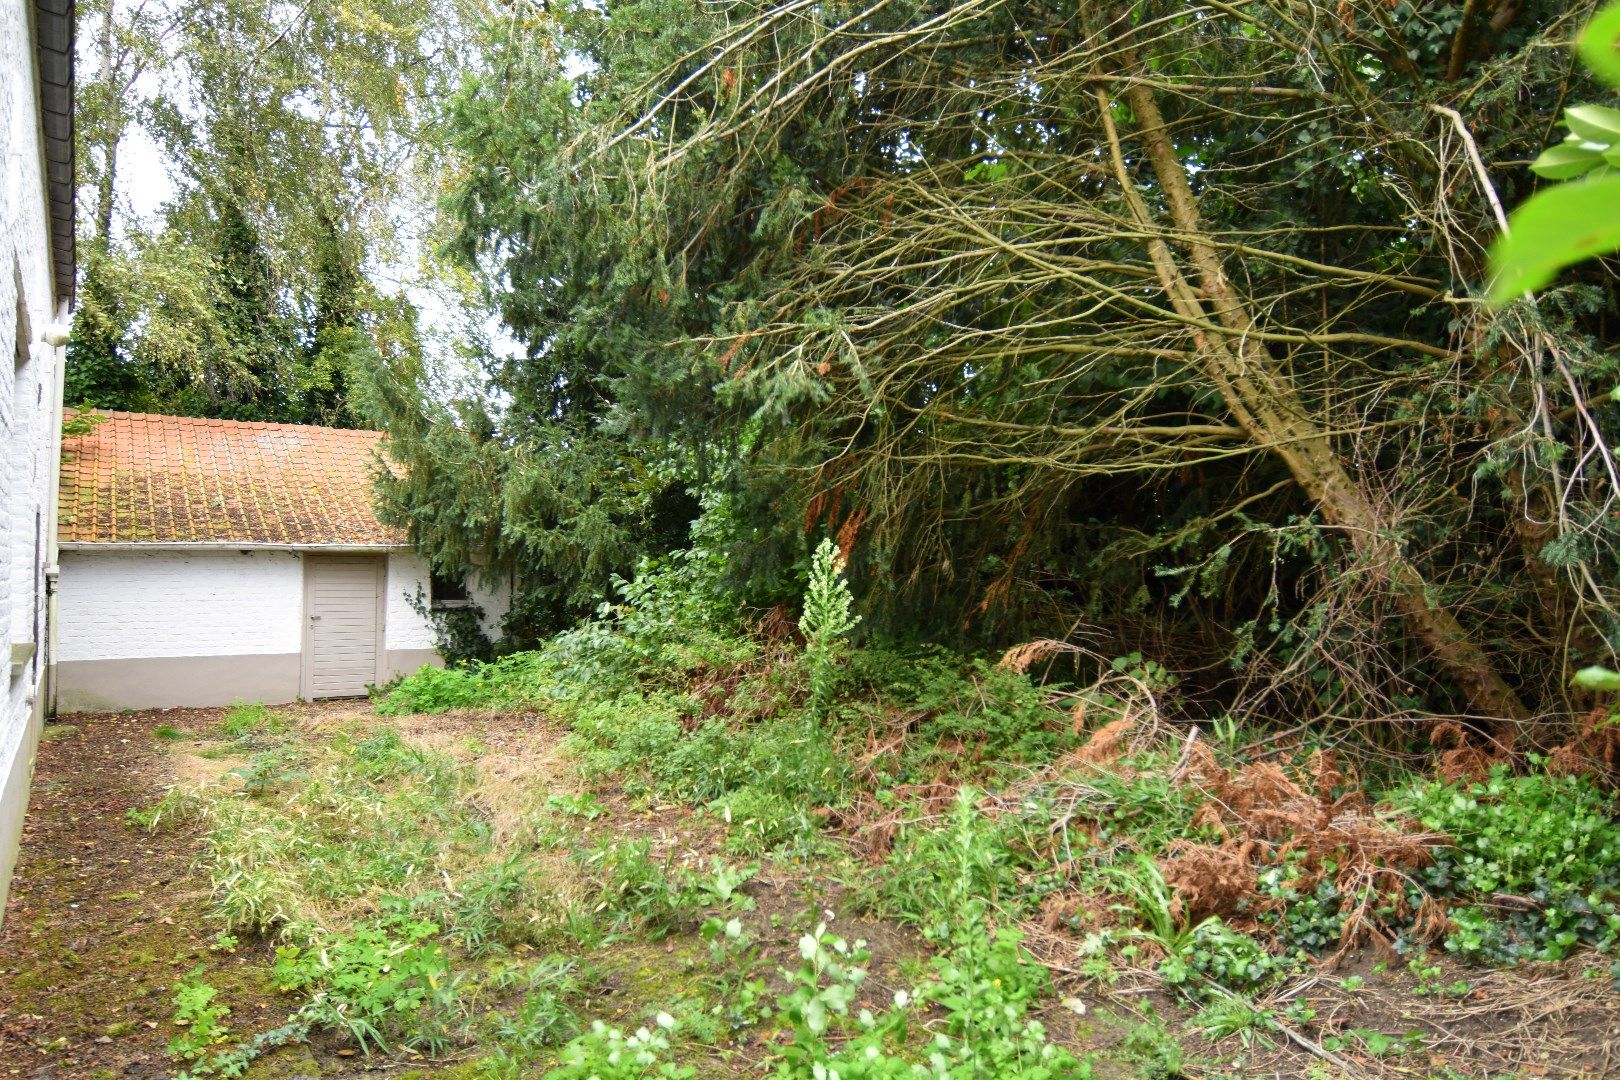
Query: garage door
{"points": [[343, 624]]}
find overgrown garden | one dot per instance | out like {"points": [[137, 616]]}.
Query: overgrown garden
{"points": [[1055, 480]]}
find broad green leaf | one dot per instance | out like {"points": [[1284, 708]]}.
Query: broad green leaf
{"points": [[1594, 123], [1597, 678], [1600, 45], [1565, 160], [1557, 227]]}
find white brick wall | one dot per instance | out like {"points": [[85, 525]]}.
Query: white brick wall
{"points": [[409, 630], [29, 412], [407, 574], [127, 606]]}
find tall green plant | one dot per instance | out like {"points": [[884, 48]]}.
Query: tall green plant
{"points": [[825, 622]]}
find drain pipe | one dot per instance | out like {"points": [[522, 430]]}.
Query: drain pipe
{"points": [[56, 336]]}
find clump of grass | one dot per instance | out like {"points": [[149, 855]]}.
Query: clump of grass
{"points": [[169, 733], [369, 818], [251, 718]]}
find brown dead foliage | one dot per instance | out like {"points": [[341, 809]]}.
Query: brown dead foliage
{"points": [[1021, 658], [1266, 816], [1464, 757], [1593, 751], [777, 624], [1105, 744], [872, 826]]}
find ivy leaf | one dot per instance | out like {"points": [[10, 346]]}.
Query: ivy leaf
{"points": [[1558, 227]]}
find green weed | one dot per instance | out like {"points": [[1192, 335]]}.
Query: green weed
{"points": [[373, 982], [1554, 840], [201, 1017], [251, 717], [606, 1053]]}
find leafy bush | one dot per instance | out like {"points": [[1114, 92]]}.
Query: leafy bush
{"points": [[760, 819], [433, 689], [372, 982], [1551, 839], [988, 985], [641, 890], [1002, 714], [934, 873]]}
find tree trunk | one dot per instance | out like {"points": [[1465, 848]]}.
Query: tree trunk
{"points": [[1267, 407]]}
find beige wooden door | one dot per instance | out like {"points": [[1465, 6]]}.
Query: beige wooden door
{"points": [[343, 624]]}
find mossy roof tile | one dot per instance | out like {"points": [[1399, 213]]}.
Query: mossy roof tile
{"points": [[140, 477]]}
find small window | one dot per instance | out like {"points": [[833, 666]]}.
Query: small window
{"points": [[448, 593]]}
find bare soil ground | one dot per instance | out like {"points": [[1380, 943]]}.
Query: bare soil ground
{"points": [[103, 918]]}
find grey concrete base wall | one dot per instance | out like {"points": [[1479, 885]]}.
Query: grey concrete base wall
{"points": [[405, 661], [167, 682], [14, 784], [175, 681]]}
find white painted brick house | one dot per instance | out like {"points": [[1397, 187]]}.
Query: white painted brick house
{"points": [[212, 561], [36, 289]]}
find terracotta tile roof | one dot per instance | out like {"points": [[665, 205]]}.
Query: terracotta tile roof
{"points": [[139, 477]]}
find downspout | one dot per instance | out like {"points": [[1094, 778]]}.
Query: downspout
{"points": [[52, 502]]}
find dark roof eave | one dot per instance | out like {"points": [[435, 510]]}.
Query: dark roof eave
{"points": [[53, 30]]}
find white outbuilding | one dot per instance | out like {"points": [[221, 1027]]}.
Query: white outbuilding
{"points": [[210, 561]]}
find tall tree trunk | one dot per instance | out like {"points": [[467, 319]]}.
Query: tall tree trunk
{"points": [[106, 187], [1267, 407]]}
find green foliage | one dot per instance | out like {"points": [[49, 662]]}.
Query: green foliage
{"points": [[934, 872], [542, 1019], [606, 1053], [373, 982], [202, 1017], [434, 689], [1552, 839], [640, 890], [1573, 221], [1001, 713], [761, 819], [459, 635], [988, 986], [1197, 958], [1155, 1050], [825, 622], [1235, 1017], [985, 985], [245, 718]]}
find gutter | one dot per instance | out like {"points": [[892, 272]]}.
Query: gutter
{"points": [[153, 547]]}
